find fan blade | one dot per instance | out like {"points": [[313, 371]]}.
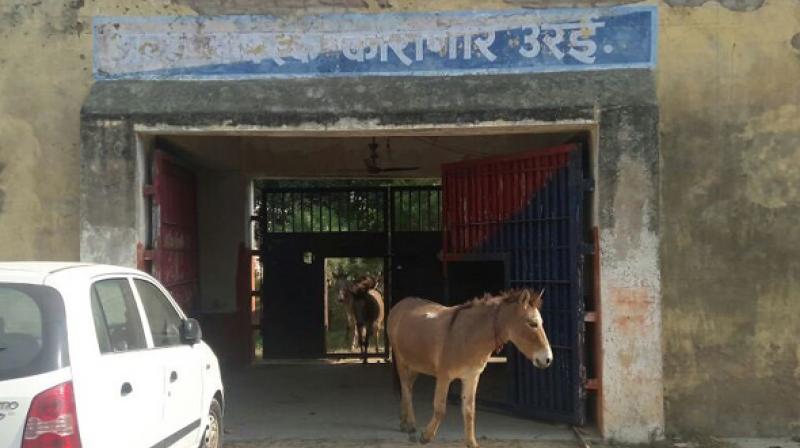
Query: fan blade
{"points": [[351, 170], [400, 168]]}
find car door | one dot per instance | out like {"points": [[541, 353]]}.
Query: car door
{"points": [[121, 395], [181, 366]]}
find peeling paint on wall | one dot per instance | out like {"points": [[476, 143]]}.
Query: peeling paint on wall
{"points": [[567, 3], [216, 7], [20, 206], [630, 303], [419, 44], [95, 247], [733, 5], [770, 164], [795, 42], [60, 17], [730, 266]]}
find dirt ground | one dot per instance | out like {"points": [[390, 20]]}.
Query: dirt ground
{"points": [[340, 403]]}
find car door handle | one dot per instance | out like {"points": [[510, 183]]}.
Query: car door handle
{"points": [[173, 376], [126, 389]]}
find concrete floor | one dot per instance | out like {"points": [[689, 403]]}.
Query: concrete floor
{"points": [[312, 405], [391, 444], [352, 403], [723, 443]]}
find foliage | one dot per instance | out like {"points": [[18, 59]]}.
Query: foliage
{"points": [[344, 205], [352, 268], [336, 183]]}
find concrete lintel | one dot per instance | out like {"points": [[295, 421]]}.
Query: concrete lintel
{"points": [[369, 128], [396, 101]]}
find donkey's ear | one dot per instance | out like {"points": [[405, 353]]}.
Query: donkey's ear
{"points": [[537, 299], [524, 297]]}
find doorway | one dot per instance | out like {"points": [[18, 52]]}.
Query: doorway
{"points": [[510, 220], [314, 236], [495, 222], [121, 120], [340, 332]]}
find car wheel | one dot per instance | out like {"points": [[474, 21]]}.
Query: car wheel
{"points": [[212, 435]]}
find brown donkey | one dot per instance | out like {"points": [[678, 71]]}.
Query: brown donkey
{"points": [[455, 343], [371, 302], [367, 305]]}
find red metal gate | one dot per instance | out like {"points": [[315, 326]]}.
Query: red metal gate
{"points": [[171, 253], [525, 211]]}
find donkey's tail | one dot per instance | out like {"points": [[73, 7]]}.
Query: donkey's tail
{"points": [[395, 378], [395, 373]]}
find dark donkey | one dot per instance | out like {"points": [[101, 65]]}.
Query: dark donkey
{"points": [[367, 305]]}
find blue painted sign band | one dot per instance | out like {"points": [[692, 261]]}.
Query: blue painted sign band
{"points": [[419, 44]]}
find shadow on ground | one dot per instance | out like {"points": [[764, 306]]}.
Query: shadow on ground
{"points": [[351, 405]]}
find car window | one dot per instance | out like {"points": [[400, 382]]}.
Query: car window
{"points": [[165, 322], [116, 318], [32, 331]]}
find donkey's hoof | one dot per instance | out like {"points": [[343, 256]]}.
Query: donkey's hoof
{"points": [[423, 439], [473, 445], [412, 437]]}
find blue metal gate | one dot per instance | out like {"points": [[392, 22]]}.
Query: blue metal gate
{"points": [[526, 211]]}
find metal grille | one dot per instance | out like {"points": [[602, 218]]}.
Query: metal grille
{"points": [[318, 210], [416, 209], [333, 210], [527, 209]]}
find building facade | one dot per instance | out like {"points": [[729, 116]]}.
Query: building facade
{"points": [[696, 138]]}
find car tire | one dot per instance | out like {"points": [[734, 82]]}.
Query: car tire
{"points": [[212, 434]]}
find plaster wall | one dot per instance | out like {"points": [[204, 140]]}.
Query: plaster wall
{"points": [[222, 210], [730, 126]]}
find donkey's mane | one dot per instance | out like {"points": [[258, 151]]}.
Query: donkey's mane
{"points": [[508, 296], [486, 300]]}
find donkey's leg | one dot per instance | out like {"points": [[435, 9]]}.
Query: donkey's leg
{"points": [[468, 388], [439, 409], [407, 377], [378, 339], [353, 332], [359, 330], [365, 349]]}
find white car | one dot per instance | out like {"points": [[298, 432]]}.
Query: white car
{"points": [[100, 356]]}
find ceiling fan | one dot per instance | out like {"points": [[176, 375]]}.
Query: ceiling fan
{"points": [[371, 162]]}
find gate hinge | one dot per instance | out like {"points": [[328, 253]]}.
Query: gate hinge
{"points": [[148, 255], [588, 185]]}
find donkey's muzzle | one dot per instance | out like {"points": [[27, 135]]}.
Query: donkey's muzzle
{"points": [[542, 363]]}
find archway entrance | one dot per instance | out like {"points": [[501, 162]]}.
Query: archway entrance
{"points": [[117, 141]]}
